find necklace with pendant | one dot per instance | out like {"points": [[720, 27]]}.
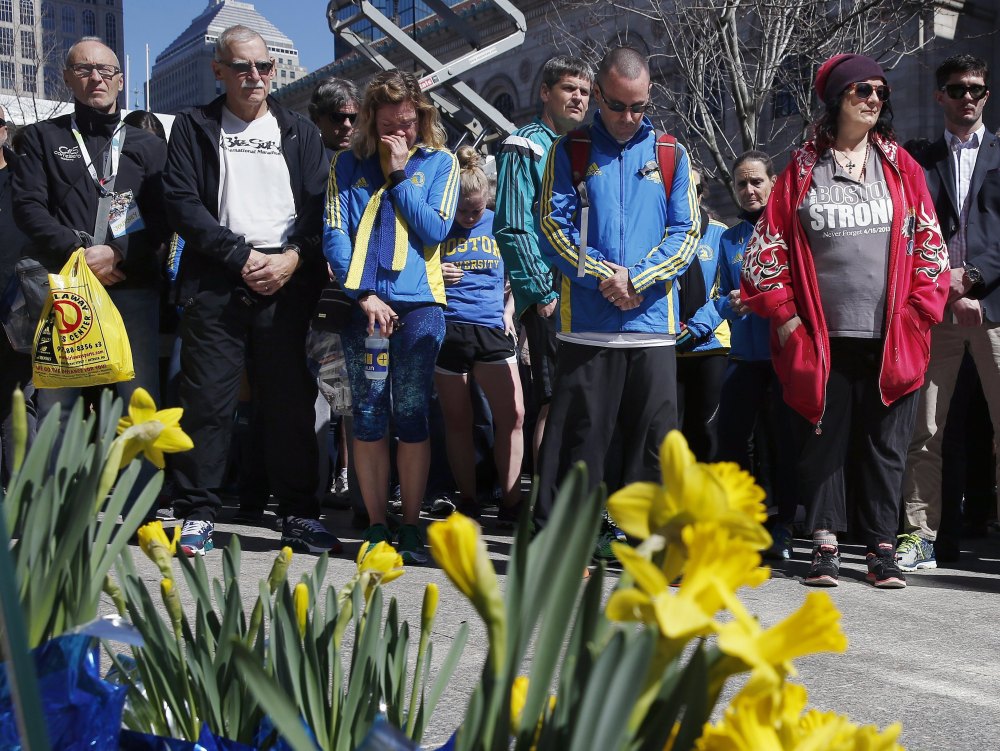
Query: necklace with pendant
{"points": [[851, 166]]}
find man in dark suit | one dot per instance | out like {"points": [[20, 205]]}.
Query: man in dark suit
{"points": [[963, 174]]}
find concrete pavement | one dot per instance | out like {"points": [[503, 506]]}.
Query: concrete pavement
{"points": [[927, 656]]}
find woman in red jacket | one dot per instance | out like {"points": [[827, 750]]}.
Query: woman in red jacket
{"points": [[846, 263]]}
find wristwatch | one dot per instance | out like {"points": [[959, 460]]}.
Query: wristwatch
{"points": [[974, 275]]}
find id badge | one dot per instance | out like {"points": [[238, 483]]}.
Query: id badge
{"points": [[124, 217]]}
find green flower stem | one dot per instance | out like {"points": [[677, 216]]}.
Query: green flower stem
{"points": [[112, 466], [428, 611]]}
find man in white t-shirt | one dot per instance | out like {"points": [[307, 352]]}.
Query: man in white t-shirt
{"points": [[244, 187]]}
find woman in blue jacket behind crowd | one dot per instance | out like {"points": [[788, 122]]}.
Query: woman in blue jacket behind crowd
{"points": [[390, 203], [751, 410]]}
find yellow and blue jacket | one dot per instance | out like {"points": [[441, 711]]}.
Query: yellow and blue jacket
{"points": [[631, 224], [422, 211]]}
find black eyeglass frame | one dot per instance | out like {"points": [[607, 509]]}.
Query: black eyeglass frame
{"points": [[951, 89], [243, 67], [86, 70]]}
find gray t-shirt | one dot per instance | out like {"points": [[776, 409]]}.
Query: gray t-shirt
{"points": [[848, 223]]}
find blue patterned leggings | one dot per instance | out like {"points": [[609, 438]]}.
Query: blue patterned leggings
{"points": [[413, 350]]}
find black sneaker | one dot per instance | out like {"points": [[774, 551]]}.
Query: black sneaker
{"points": [[883, 572], [308, 536], [375, 534], [469, 507], [411, 547], [825, 568], [509, 516]]}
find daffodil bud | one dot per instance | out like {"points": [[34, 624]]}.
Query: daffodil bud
{"points": [[430, 606], [301, 600], [112, 590], [19, 421], [279, 569], [158, 548], [172, 601]]}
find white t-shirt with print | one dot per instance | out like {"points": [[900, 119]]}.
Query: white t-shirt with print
{"points": [[255, 192]]}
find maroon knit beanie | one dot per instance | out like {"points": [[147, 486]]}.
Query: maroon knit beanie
{"points": [[840, 71]]}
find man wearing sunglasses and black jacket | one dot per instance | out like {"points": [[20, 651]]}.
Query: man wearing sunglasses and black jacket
{"points": [[244, 186], [963, 175]]}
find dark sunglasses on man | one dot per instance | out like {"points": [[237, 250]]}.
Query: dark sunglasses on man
{"points": [[636, 109], [864, 90], [339, 118], [958, 90], [243, 67]]}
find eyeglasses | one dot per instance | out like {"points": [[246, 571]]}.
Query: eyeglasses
{"points": [[86, 70], [958, 91], [864, 90], [339, 118], [636, 109], [243, 68]]}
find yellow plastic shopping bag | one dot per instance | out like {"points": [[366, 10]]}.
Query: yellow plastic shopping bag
{"points": [[80, 339]]}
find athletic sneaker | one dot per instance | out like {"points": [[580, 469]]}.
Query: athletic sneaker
{"points": [[609, 533], [308, 536], [914, 553], [410, 544], [340, 484], [781, 545], [882, 569], [375, 534], [196, 537], [825, 568], [469, 507], [442, 505]]}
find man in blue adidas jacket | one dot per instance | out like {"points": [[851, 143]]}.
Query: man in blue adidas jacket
{"points": [[618, 321]]}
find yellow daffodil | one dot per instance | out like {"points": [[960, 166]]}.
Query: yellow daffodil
{"points": [[717, 567], [151, 432], [159, 548], [459, 549], [814, 627], [381, 560], [300, 598], [691, 492]]}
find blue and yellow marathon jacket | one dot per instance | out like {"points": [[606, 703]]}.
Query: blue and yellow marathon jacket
{"points": [[750, 335], [707, 320], [630, 224], [424, 205]]}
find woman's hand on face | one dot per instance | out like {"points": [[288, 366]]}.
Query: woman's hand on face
{"points": [[380, 313], [398, 151], [452, 274], [785, 330]]}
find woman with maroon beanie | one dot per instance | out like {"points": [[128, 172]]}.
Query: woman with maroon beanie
{"points": [[847, 264]]}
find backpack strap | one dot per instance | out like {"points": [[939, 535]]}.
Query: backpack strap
{"points": [[667, 156], [578, 143]]}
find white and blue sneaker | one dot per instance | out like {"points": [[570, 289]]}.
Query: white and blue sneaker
{"points": [[196, 537], [914, 553]]}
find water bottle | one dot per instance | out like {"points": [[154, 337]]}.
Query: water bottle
{"points": [[376, 356]]}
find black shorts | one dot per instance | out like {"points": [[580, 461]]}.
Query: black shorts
{"points": [[466, 344], [542, 348]]}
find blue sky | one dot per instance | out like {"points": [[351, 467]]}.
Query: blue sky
{"points": [[158, 22]]}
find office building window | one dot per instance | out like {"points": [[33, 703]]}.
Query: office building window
{"points": [[89, 22], [48, 17], [7, 11], [111, 31], [27, 13], [28, 44], [6, 41], [6, 75], [29, 75], [68, 21]]}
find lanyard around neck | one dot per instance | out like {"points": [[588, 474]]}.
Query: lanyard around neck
{"points": [[112, 157]]}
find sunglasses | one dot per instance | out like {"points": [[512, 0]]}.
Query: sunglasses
{"points": [[241, 68], [864, 90], [3, 123], [636, 109], [339, 118], [958, 91], [86, 70]]}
